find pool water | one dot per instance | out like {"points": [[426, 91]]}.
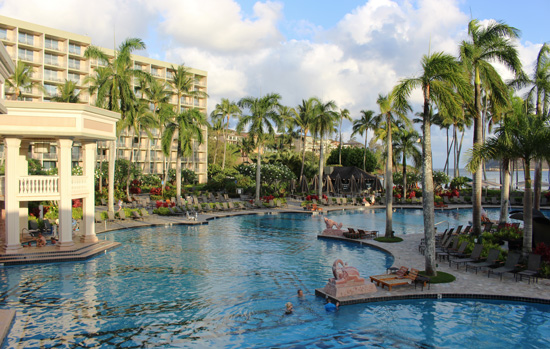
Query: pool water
{"points": [[225, 284]]}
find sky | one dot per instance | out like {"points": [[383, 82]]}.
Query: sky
{"points": [[348, 51]]}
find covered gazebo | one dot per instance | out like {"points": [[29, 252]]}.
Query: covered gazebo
{"points": [[30, 126], [362, 180]]}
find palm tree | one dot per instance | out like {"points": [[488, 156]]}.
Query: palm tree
{"points": [[521, 136], [539, 91], [406, 143], [217, 127], [67, 93], [324, 122], [186, 128], [303, 120], [362, 126], [21, 79], [344, 114], [390, 111], [225, 110], [263, 117], [486, 44], [441, 77], [115, 90], [158, 93]]}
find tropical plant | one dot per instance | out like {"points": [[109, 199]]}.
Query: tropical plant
{"points": [[406, 144], [484, 45], [262, 119], [390, 111], [362, 126], [67, 93], [113, 86], [324, 121], [353, 156], [225, 110], [22, 79], [343, 114], [303, 120], [186, 127], [441, 77]]}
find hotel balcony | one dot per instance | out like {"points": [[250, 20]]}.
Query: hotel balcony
{"points": [[33, 188]]}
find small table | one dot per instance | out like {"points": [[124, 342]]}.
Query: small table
{"points": [[391, 270], [423, 280]]}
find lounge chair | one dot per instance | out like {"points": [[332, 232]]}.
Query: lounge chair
{"points": [[405, 280], [533, 268], [474, 257], [451, 246], [367, 234], [488, 226], [510, 266], [103, 202], [459, 229], [143, 212], [490, 261], [97, 218], [401, 273], [351, 234], [110, 216], [122, 215], [459, 252], [224, 206], [467, 229]]}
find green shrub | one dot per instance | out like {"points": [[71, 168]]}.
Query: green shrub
{"points": [[162, 211]]}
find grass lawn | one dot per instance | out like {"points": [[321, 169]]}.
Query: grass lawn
{"points": [[385, 239]]}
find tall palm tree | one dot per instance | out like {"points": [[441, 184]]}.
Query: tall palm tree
{"points": [[406, 143], [362, 126], [441, 77], [21, 79], [115, 90], [186, 128], [67, 93], [539, 92], [390, 111], [486, 44], [344, 114], [217, 127], [303, 120], [226, 109], [325, 118], [521, 136], [262, 118]]}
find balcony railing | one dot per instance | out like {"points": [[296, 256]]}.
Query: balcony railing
{"points": [[44, 186]]}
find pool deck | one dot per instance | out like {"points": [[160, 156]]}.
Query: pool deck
{"points": [[466, 285]]}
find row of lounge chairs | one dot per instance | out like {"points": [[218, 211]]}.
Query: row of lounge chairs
{"points": [[121, 215], [360, 234], [402, 277]]}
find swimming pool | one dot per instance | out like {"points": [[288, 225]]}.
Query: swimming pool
{"points": [[224, 284]]}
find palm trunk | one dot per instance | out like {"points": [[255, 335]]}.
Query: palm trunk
{"points": [[179, 155], [303, 154], [365, 154], [340, 148], [505, 193], [112, 161], [537, 185], [527, 212], [130, 164], [225, 142], [321, 163], [455, 139], [389, 181], [404, 176], [428, 190], [216, 148], [446, 168], [258, 173], [478, 137]]}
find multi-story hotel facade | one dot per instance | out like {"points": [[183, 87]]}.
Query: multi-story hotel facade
{"points": [[56, 56]]}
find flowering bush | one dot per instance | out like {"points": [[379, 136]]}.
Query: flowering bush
{"points": [[543, 250], [268, 198], [166, 203], [77, 203]]}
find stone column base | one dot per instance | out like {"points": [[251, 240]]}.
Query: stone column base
{"points": [[64, 246], [12, 249], [339, 291], [89, 238]]}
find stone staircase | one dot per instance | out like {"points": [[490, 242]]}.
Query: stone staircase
{"points": [[51, 254]]}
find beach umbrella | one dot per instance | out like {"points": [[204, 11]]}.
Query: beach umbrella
{"points": [[328, 184], [338, 184], [362, 182], [304, 185], [315, 182], [292, 186], [353, 185]]}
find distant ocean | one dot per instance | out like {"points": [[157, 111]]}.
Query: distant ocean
{"points": [[494, 176]]}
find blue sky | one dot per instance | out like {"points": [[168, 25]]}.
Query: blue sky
{"points": [[348, 51]]}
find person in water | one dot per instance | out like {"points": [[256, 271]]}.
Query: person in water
{"points": [[331, 307], [289, 308], [300, 293]]}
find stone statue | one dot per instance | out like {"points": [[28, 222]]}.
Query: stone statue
{"points": [[343, 274], [346, 282], [330, 231]]}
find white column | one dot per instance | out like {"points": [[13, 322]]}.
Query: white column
{"points": [[12, 243], [89, 151], [65, 203]]}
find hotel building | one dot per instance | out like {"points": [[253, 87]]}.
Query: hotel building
{"points": [[56, 56]]}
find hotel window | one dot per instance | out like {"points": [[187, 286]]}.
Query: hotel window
{"points": [[50, 59], [25, 38], [51, 90], [101, 62], [3, 34], [52, 44], [50, 75], [170, 74], [155, 71], [26, 55], [74, 49], [74, 63], [74, 78]]}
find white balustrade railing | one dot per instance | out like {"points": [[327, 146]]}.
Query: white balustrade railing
{"points": [[38, 186], [78, 184]]}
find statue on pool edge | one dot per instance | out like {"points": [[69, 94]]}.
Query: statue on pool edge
{"points": [[347, 282]]}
